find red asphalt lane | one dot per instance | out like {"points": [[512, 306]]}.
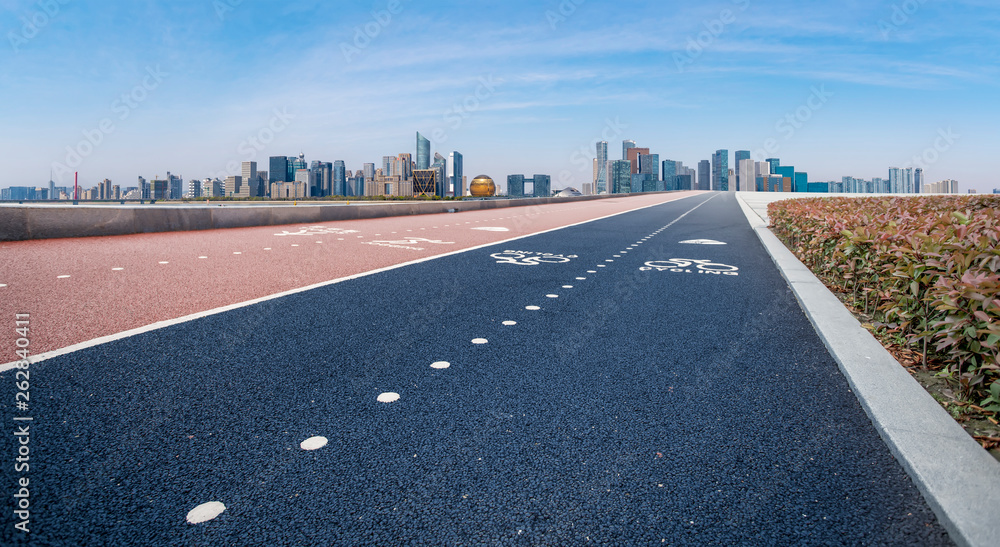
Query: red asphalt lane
{"points": [[240, 264]]}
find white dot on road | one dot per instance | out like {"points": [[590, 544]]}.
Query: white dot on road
{"points": [[205, 512], [609, 260], [267, 248], [202, 257], [591, 271], [552, 296], [601, 266], [581, 279], [388, 397], [63, 277], [509, 323], [2, 285], [567, 286], [313, 443], [164, 262], [239, 253], [480, 341], [319, 242], [294, 245], [117, 269], [532, 308], [441, 365], [617, 256]]}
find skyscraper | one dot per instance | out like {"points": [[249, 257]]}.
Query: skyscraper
{"points": [[277, 169], [601, 181], [740, 155], [621, 177], [625, 146], [918, 180], [249, 177], [649, 167], [423, 152], [542, 186], [746, 175], [339, 178], [369, 172], [387, 162], [456, 173], [704, 175], [669, 175], [440, 167], [515, 186], [775, 163], [633, 157], [720, 170]]}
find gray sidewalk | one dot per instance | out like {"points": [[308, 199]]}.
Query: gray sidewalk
{"points": [[959, 479]]}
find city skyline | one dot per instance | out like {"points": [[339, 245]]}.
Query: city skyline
{"points": [[198, 88]]}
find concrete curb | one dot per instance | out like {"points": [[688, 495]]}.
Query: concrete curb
{"points": [[24, 222], [959, 480]]}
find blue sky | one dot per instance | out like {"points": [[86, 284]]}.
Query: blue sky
{"points": [[121, 89]]}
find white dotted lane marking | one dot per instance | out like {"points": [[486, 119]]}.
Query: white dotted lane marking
{"points": [[239, 253], [2, 285], [601, 266], [552, 296], [480, 341], [388, 397], [205, 512], [591, 271], [319, 242], [165, 262], [581, 279], [617, 256], [294, 245], [509, 323], [567, 286], [532, 308], [340, 239], [609, 260], [440, 365], [63, 277], [313, 443], [202, 257]]}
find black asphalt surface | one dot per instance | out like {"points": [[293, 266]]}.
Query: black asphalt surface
{"points": [[640, 407]]}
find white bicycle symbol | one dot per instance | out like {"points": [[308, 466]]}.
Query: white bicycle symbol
{"points": [[522, 259], [682, 263]]}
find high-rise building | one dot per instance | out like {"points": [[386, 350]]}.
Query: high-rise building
{"points": [[649, 167], [625, 146], [277, 169], [704, 175], [440, 166], [739, 156], [918, 179], [773, 164], [456, 174], [669, 173], [621, 177], [746, 175], [633, 157], [339, 178], [601, 180], [159, 189], [194, 188], [368, 171], [542, 185], [515, 186], [720, 170], [387, 162], [403, 168], [423, 152], [104, 191], [249, 176]]}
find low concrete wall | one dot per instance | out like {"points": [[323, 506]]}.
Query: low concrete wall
{"points": [[23, 222]]}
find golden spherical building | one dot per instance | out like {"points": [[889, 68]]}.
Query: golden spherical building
{"points": [[483, 187]]}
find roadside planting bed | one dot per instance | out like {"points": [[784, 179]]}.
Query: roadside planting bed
{"points": [[921, 273]]}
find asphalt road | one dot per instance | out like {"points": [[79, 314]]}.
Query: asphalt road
{"points": [[645, 402]]}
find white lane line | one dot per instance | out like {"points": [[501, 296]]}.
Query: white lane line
{"points": [[239, 253], [552, 296], [117, 269], [313, 443], [581, 279], [63, 277], [480, 341], [567, 286], [202, 257], [2, 285], [215, 311], [205, 512], [440, 365], [388, 397], [165, 262], [591, 271], [509, 323], [532, 308]]}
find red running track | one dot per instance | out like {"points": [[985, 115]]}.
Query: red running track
{"points": [[79, 289]]}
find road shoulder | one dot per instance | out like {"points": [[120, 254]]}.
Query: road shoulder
{"points": [[959, 480]]}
